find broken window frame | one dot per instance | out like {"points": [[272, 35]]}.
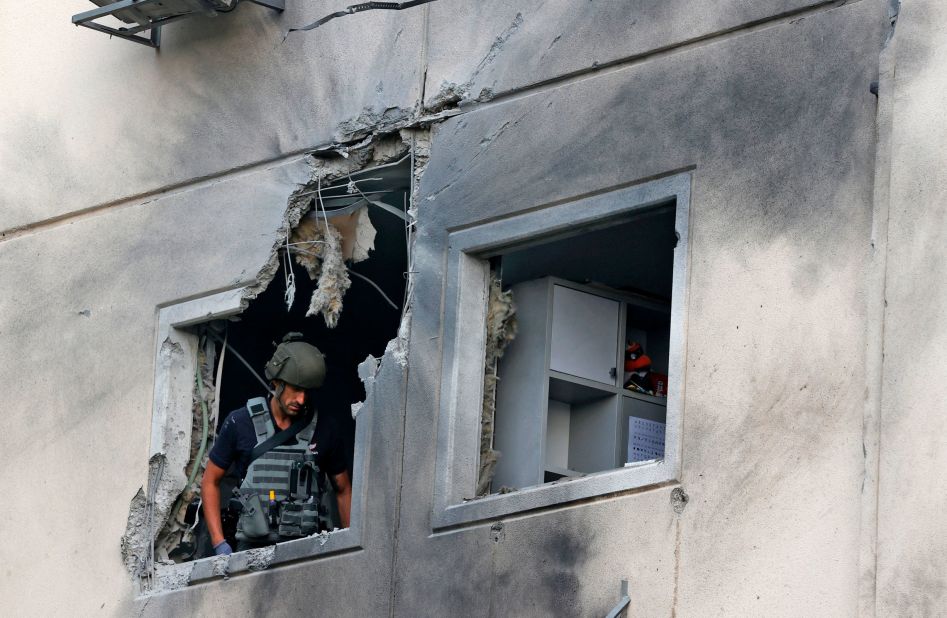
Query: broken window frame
{"points": [[171, 412], [467, 283]]}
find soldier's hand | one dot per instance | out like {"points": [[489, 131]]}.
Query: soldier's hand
{"points": [[223, 549]]}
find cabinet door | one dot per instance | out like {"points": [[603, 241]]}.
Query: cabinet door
{"points": [[584, 335]]}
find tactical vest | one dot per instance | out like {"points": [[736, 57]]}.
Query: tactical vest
{"points": [[290, 472]]}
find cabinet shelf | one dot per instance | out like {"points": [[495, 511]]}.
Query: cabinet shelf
{"points": [[573, 390], [561, 408], [661, 401]]}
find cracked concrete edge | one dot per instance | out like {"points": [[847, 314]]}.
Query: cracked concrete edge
{"points": [[326, 164], [379, 147], [152, 504], [451, 93]]}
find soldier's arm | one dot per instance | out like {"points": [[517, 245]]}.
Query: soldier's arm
{"points": [[210, 499], [343, 496]]}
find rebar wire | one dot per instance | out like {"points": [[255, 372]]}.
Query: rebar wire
{"points": [[290, 278], [387, 207], [375, 285], [330, 197], [409, 235], [360, 276], [199, 459], [322, 205], [358, 8], [149, 520], [215, 411], [352, 186], [240, 358]]}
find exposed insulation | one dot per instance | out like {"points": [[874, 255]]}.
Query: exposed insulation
{"points": [[318, 248], [501, 330]]}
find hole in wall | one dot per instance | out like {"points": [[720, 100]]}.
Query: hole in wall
{"points": [[367, 211]]}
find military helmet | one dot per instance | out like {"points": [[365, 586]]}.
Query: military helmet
{"points": [[297, 362]]}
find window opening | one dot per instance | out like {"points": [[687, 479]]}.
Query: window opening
{"points": [[582, 382], [343, 285], [619, 260]]}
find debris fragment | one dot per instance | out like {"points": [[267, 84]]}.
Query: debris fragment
{"points": [[148, 512], [173, 577], [260, 558], [501, 330], [358, 234], [318, 248]]}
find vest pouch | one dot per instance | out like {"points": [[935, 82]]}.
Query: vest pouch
{"points": [[253, 524], [299, 519]]}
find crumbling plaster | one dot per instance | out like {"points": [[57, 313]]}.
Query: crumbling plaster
{"points": [[912, 545], [221, 93], [176, 363], [778, 127]]}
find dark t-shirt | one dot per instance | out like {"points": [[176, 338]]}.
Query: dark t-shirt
{"points": [[237, 437]]}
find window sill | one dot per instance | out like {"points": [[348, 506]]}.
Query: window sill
{"points": [[216, 567], [553, 494]]}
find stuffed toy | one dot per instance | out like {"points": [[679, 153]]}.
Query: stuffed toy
{"points": [[637, 369]]}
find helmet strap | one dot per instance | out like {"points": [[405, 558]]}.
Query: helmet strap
{"points": [[276, 393]]}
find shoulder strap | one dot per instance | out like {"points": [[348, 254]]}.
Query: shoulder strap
{"points": [[262, 421], [280, 437]]}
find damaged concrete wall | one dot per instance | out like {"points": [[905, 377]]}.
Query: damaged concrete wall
{"points": [[777, 124], [82, 323], [767, 103], [912, 544]]}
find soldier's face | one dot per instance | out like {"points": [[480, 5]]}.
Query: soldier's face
{"points": [[293, 399]]}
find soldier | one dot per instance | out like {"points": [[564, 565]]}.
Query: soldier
{"points": [[282, 452]]}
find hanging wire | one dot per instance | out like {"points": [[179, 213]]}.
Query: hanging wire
{"points": [[360, 276], [290, 294], [358, 8], [375, 285], [153, 481], [322, 205], [409, 235], [244, 361]]}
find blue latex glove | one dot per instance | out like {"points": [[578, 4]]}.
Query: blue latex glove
{"points": [[223, 549]]}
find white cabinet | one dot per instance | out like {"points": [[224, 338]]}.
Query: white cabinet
{"points": [[561, 409], [584, 338]]}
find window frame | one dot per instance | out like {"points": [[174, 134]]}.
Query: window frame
{"points": [[462, 368], [172, 410]]}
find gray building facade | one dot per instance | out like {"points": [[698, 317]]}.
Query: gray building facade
{"points": [[803, 143]]}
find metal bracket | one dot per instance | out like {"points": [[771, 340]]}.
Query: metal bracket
{"points": [[88, 18], [623, 603], [152, 18]]}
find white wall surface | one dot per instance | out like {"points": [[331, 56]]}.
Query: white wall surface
{"points": [[87, 120], [912, 537]]}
